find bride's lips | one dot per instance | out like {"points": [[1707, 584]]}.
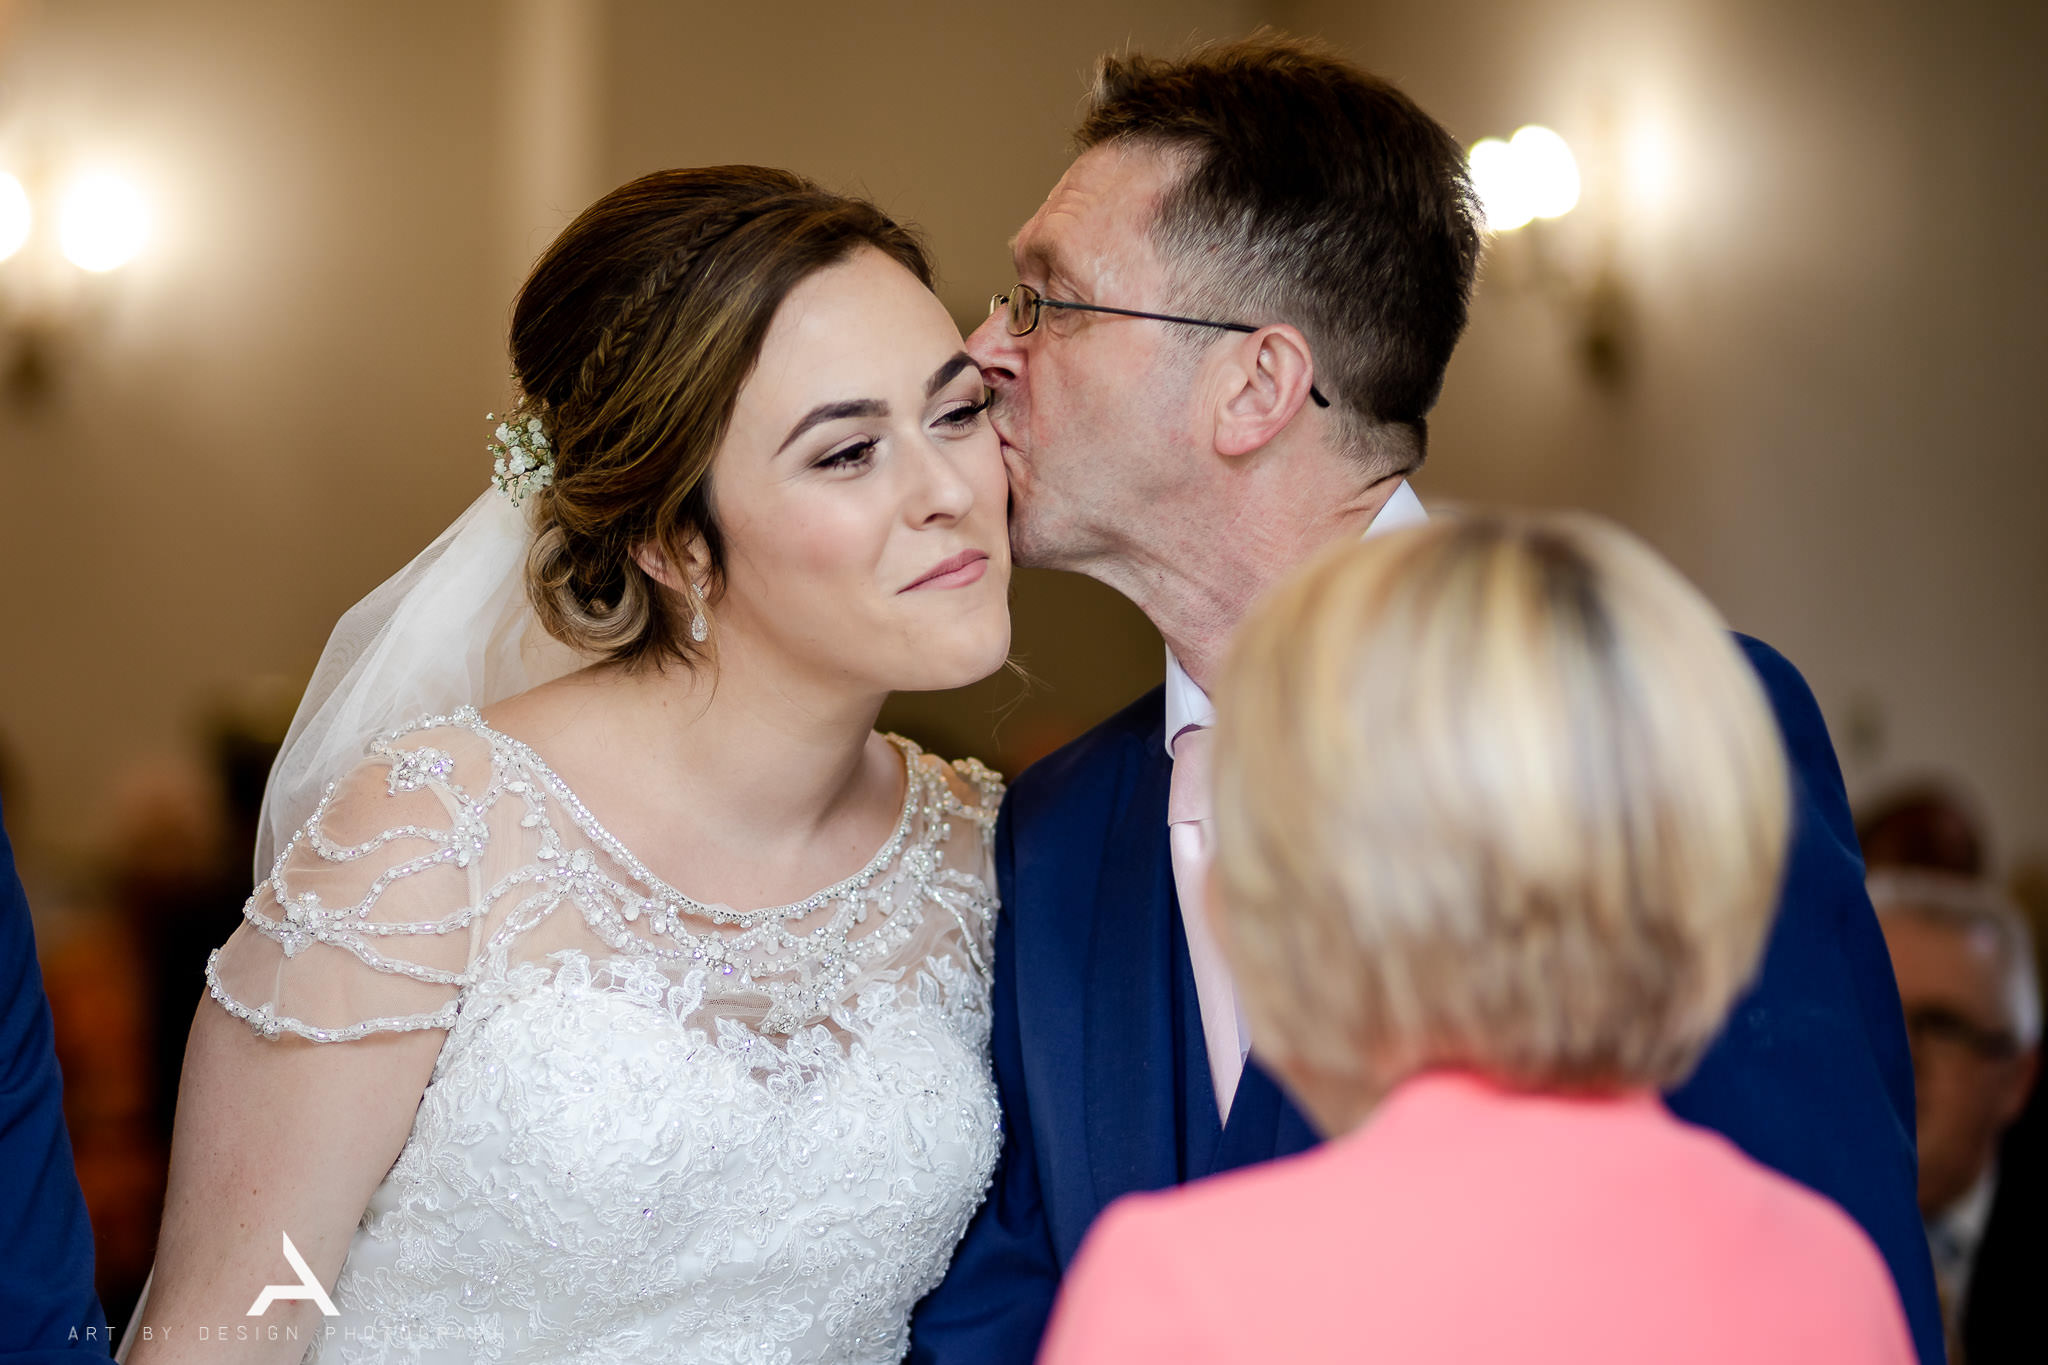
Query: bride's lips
{"points": [[957, 572]]}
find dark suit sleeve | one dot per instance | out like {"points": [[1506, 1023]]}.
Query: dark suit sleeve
{"points": [[1812, 1075], [48, 1310], [992, 1306]]}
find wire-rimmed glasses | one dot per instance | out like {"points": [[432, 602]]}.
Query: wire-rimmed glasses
{"points": [[1023, 304]]}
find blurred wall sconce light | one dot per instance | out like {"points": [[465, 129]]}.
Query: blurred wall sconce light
{"points": [[1525, 184], [1532, 175], [54, 252]]}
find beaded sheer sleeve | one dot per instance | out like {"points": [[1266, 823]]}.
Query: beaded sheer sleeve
{"points": [[374, 915], [657, 1129]]}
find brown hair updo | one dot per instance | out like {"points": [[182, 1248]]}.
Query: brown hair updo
{"points": [[632, 339]]}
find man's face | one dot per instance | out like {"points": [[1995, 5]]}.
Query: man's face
{"points": [[1091, 409], [1967, 1093]]}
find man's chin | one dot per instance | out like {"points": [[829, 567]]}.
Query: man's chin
{"points": [[1019, 475], [1028, 548], [1035, 538]]}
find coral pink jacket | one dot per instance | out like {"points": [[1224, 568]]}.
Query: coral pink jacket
{"points": [[1467, 1223]]}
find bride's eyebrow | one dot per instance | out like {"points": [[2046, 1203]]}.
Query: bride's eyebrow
{"points": [[943, 375], [872, 407], [832, 412]]}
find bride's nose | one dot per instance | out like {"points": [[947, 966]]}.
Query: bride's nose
{"points": [[942, 493]]}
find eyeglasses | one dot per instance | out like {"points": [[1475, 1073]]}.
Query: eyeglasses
{"points": [[1023, 303]]}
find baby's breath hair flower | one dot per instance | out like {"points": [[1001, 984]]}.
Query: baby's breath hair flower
{"points": [[522, 461]]}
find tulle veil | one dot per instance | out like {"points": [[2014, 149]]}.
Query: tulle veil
{"points": [[452, 628]]}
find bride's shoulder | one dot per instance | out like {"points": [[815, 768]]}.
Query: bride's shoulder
{"points": [[969, 786], [422, 775], [455, 752], [553, 705], [461, 733], [955, 805]]}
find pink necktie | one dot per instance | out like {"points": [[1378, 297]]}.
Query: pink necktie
{"points": [[1187, 817]]}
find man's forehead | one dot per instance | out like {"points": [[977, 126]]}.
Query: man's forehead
{"points": [[1101, 209]]}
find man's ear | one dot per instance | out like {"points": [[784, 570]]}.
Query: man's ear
{"points": [[1266, 382]]}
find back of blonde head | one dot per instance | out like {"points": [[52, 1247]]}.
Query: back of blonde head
{"points": [[1493, 793]]}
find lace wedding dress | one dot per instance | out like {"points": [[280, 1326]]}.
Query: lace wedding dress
{"points": [[658, 1130]]}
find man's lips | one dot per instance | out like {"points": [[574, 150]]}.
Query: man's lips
{"points": [[957, 572]]}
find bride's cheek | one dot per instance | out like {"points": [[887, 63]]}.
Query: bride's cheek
{"points": [[991, 480], [817, 528]]}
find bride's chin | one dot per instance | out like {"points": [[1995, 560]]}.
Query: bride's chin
{"points": [[955, 658]]}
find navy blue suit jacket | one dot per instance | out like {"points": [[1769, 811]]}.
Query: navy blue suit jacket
{"points": [[48, 1310], [1105, 1090]]}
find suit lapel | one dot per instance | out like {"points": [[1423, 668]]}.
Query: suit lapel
{"points": [[1263, 1123], [1292, 1132], [1128, 1035], [1248, 1137]]}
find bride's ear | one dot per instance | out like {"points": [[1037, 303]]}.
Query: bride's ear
{"points": [[656, 562]]}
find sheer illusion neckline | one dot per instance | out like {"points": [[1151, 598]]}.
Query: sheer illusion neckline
{"points": [[595, 829]]}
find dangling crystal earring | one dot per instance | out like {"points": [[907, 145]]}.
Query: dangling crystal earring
{"points": [[700, 629]]}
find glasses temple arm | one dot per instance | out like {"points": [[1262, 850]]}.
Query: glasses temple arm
{"points": [[1043, 302]]}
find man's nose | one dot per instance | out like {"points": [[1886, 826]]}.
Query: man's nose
{"points": [[999, 354]]}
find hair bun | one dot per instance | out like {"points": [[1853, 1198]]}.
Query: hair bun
{"points": [[588, 600]]}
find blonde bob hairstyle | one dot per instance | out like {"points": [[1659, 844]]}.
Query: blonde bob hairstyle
{"points": [[1499, 794]]}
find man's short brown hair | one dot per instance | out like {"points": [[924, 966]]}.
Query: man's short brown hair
{"points": [[1317, 195]]}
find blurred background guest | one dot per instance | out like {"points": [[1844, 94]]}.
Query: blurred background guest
{"points": [[1501, 812], [1922, 824], [125, 959], [1966, 973]]}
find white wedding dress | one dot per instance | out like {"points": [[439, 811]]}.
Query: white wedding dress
{"points": [[658, 1130]]}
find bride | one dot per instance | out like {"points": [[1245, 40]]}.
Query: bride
{"points": [[494, 1052]]}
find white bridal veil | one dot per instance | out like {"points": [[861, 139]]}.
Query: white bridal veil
{"points": [[450, 629]]}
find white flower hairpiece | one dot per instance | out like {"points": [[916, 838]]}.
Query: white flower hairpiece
{"points": [[522, 461]]}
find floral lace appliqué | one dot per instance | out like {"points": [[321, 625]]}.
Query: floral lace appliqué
{"points": [[593, 1175]]}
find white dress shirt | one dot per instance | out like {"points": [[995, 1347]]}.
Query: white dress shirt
{"points": [[1188, 708], [1953, 1237]]}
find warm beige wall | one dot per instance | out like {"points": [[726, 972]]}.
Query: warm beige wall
{"points": [[287, 402], [1839, 303]]}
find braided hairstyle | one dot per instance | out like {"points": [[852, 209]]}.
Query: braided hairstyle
{"points": [[632, 338]]}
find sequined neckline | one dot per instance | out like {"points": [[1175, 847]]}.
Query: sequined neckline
{"points": [[908, 750]]}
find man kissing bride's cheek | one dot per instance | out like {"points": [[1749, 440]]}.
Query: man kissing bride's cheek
{"points": [[1230, 321]]}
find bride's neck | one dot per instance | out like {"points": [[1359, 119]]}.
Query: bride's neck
{"points": [[786, 754]]}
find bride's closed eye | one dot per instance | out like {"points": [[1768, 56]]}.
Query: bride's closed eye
{"points": [[855, 455], [858, 455], [965, 415]]}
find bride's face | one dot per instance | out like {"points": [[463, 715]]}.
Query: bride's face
{"points": [[861, 494]]}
